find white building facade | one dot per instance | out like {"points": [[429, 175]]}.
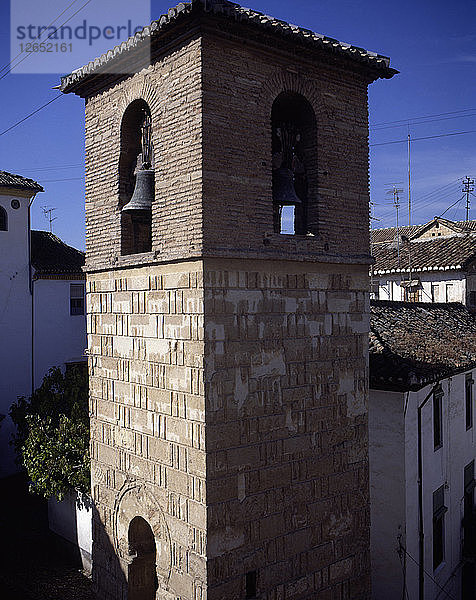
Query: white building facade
{"points": [[42, 316], [422, 451], [435, 262]]}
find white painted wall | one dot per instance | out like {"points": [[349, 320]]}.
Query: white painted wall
{"points": [[390, 289], [15, 320], [387, 491], [73, 522], [59, 337], [444, 466]]}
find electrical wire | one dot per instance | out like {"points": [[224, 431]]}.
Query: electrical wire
{"points": [[374, 128], [57, 180], [427, 137], [47, 37], [30, 114], [427, 574], [405, 121], [37, 38]]}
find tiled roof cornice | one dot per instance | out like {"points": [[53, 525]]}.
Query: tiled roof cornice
{"points": [[376, 62]]}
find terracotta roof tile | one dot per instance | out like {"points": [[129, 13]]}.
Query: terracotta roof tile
{"points": [[414, 344], [232, 11], [51, 255], [18, 182], [425, 254]]}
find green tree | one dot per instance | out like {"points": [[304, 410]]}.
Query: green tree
{"points": [[52, 437]]}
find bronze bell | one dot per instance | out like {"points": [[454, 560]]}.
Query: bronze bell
{"points": [[143, 192], [284, 193]]}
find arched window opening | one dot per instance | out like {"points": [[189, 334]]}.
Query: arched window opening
{"points": [[136, 179], [142, 576], [3, 219], [294, 139]]}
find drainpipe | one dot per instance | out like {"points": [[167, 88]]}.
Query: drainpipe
{"points": [[32, 297], [421, 535]]}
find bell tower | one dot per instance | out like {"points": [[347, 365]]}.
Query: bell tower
{"points": [[227, 278]]}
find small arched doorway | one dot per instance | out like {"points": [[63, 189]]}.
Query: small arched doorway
{"points": [[142, 576]]}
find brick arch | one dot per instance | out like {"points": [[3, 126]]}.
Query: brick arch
{"points": [[286, 81], [141, 89]]}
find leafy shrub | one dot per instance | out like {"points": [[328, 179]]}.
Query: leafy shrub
{"points": [[52, 438]]}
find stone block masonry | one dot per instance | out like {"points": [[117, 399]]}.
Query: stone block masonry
{"points": [[233, 394]]}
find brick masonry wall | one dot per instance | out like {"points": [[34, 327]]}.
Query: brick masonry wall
{"points": [[286, 429], [172, 89], [240, 84]]}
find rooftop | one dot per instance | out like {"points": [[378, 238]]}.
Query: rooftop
{"points": [[10, 180], [387, 235], [233, 12], [425, 254], [50, 255], [415, 344]]}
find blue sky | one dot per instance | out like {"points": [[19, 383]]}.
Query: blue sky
{"points": [[431, 43]]}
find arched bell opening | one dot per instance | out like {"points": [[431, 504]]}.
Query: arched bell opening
{"points": [[142, 574], [294, 149], [136, 179]]}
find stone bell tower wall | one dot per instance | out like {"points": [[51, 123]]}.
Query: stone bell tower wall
{"points": [[146, 345], [228, 365], [286, 429]]}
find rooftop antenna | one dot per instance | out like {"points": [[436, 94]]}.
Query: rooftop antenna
{"points": [[396, 202], [48, 212], [409, 182], [467, 189]]}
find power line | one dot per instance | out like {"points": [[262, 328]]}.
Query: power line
{"points": [[427, 574], [30, 115], [405, 121], [55, 180], [449, 207], [375, 128], [428, 137], [55, 168], [37, 38], [47, 37]]}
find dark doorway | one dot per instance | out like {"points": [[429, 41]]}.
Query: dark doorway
{"points": [[142, 580]]}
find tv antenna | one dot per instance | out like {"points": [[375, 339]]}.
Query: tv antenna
{"points": [[48, 212], [467, 190], [396, 202]]}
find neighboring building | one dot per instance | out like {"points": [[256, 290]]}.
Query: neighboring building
{"points": [[42, 317], [435, 262], [422, 370], [228, 361]]}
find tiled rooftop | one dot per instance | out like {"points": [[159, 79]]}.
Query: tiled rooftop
{"points": [[426, 254], [235, 12], [50, 255], [415, 344], [18, 182], [389, 234]]}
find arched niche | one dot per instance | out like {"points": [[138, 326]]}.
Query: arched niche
{"points": [[142, 580], [136, 227], [139, 525], [294, 153]]}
